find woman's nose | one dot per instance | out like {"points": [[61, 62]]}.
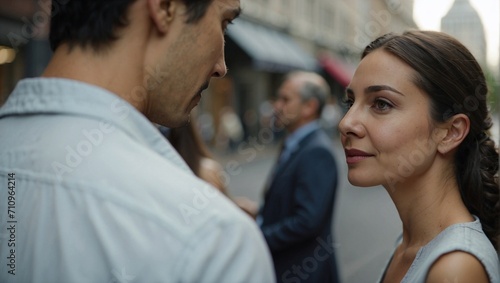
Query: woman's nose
{"points": [[351, 124]]}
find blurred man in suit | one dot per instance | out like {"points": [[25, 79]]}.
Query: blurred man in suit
{"points": [[296, 216]]}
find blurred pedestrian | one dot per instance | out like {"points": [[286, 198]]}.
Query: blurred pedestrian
{"points": [[296, 217], [231, 128], [188, 143], [411, 128], [100, 195]]}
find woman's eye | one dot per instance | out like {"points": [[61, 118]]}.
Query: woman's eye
{"points": [[381, 104], [347, 103]]}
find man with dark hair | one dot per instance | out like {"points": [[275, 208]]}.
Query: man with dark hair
{"points": [[95, 193]]}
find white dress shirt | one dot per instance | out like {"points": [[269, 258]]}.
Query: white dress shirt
{"points": [[99, 195]]}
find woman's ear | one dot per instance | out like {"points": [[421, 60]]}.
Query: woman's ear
{"points": [[457, 128], [162, 13]]}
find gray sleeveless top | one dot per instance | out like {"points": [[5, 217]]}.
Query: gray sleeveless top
{"points": [[467, 237]]}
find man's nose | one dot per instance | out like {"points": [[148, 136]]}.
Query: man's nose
{"points": [[220, 69]]}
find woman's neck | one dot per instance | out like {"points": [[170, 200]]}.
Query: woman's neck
{"points": [[427, 205]]}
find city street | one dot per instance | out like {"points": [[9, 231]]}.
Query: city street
{"points": [[366, 224]]}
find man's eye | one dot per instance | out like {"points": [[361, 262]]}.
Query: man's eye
{"points": [[226, 23]]}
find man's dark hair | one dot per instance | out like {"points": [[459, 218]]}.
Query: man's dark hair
{"points": [[95, 22]]}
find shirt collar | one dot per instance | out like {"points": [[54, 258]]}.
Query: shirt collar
{"points": [[294, 139]]}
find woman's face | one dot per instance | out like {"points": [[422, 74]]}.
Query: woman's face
{"points": [[387, 133]]}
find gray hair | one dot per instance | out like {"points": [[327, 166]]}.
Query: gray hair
{"points": [[313, 86]]}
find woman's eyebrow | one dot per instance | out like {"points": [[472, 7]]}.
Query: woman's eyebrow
{"points": [[377, 88]]}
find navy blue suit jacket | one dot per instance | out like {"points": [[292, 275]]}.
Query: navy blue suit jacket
{"points": [[297, 213]]}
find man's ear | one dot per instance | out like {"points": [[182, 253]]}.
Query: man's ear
{"points": [[310, 107], [307, 107], [162, 13], [457, 128]]}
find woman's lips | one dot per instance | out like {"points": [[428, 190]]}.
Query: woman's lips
{"points": [[353, 155]]}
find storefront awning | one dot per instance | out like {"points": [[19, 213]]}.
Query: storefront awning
{"points": [[338, 70], [269, 49]]}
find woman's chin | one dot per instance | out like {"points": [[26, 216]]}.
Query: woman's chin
{"points": [[361, 182]]}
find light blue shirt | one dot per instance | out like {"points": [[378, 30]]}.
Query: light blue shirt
{"points": [[90, 191], [466, 237]]}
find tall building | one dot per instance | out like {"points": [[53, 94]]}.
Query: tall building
{"points": [[463, 22]]}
